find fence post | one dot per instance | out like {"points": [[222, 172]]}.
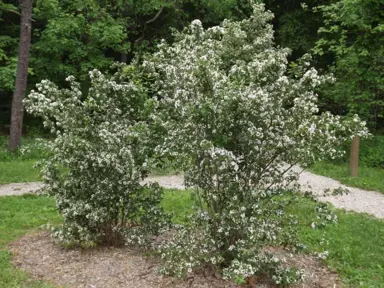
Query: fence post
{"points": [[354, 157]]}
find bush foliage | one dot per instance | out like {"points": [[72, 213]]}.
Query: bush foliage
{"points": [[96, 160], [236, 120], [229, 113]]}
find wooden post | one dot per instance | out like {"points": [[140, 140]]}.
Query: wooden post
{"points": [[354, 160]]}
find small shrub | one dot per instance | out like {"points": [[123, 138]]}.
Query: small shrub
{"points": [[236, 120], [96, 160]]}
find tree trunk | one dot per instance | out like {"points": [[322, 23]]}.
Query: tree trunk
{"points": [[21, 75]]}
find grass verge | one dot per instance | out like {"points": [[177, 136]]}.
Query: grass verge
{"points": [[18, 215], [17, 171], [368, 179], [356, 249], [18, 167]]}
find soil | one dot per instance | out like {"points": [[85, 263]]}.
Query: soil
{"points": [[126, 268]]}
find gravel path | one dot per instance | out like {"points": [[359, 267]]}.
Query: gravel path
{"points": [[357, 200], [20, 188]]}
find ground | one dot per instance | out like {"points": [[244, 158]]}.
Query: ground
{"points": [[355, 246], [128, 268]]}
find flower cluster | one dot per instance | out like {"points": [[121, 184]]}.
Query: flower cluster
{"points": [[96, 160], [236, 119]]}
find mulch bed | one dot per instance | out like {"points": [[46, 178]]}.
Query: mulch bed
{"points": [[126, 268]]}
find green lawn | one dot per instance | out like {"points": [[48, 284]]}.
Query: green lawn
{"points": [[356, 249], [18, 171], [19, 215], [356, 246], [368, 179], [18, 167]]}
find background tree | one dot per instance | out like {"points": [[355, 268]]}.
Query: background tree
{"points": [[296, 24], [352, 36], [73, 37], [76, 36], [9, 34], [8, 44], [22, 74]]}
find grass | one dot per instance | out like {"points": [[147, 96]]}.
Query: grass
{"points": [[356, 249], [18, 167], [179, 203], [18, 171], [19, 215], [368, 179]]}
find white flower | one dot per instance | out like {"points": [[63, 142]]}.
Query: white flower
{"points": [[196, 22]]}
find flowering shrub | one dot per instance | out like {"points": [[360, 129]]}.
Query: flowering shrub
{"points": [[96, 160], [236, 120]]}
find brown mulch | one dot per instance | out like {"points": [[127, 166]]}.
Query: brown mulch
{"points": [[125, 268]]}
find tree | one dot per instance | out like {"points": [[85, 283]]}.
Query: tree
{"points": [[9, 35], [21, 75], [8, 47], [296, 24], [73, 37], [76, 36], [352, 36]]}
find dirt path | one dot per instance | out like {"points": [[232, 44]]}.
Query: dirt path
{"points": [[357, 200]]}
